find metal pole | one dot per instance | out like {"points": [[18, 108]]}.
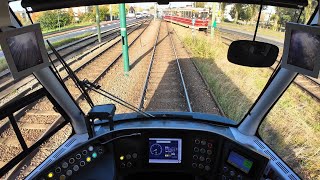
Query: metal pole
{"points": [[213, 19], [110, 7], [123, 27], [98, 23]]}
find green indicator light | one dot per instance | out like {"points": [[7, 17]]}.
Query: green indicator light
{"points": [[247, 164], [94, 155]]}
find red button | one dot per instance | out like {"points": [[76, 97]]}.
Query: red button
{"points": [[210, 145]]}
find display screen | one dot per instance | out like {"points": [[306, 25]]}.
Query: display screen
{"points": [[165, 150], [25, 50], [240, 162], [304, 49]]}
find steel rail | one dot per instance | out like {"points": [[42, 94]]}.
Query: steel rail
{"points": [[180, 72], [15, 171], [145, 86]]}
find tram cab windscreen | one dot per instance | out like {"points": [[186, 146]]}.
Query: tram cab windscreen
{"points": [[301, 52], [24, 50]]}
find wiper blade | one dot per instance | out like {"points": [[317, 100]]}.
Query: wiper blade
{"points": [[97, 88]]}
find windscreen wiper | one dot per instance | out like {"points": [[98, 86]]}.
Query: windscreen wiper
{"points": [[97, 88]]}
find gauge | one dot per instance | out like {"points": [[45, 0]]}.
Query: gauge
{"points": [[155, 149]]}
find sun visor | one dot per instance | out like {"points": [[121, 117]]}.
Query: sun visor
{"points": [[41, 5]]}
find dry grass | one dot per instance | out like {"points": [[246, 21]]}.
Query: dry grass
{"points": [[251, 28], [3, 64], [292, 128]]}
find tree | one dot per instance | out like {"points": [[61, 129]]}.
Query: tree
{"points": [[200, 4], [308, 10], [235, 11], [222, 9]]}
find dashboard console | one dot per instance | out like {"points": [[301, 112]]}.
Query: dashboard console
{"points": [[156, 153]]}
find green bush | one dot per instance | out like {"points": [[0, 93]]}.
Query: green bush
{"points": [[54, 19]]}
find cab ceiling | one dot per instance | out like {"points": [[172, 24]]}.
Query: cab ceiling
{"points": [[43, 5]]}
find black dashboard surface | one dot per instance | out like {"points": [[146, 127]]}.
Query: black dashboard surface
{"points": [[168, 152]]}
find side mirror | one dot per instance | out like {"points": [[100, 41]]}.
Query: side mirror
{"points": [[252, 53]]}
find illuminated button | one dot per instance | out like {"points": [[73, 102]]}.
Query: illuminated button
{"points": [[210, 145], [62, 177], [78, 156], [50, 174], [195, 157], [75, 168], [208, 160], [202, 150], [225, 169], [201, 166], [209, 152], [194, 165], [64, 165], [84, 152], [90, 148], [121, 158], [207, 168], [128, 156], [71, 160], [129, 164], [201, 158], [196, 149], [134, 155], [69, 172], [58, 170], [122, 165], [232, 173], [203, 142], [197, 141], [94, 155], [82, 163], [88, 159]]}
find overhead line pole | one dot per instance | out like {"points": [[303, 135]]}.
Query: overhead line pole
{"points": [[123, 28], [98, 23]]}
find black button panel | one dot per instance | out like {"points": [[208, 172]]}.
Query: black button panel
{"points": [[72, 164], [202, 154], [231, 173], [128, 160]]}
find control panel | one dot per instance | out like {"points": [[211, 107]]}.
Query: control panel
{"points": [[190, 153], [73, 163]]}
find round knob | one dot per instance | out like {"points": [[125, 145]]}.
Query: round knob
{"points": [[69, 172], [196, 149], [201, 158], [197, 141], [232, 173], [202, 150], [194, 165], [203, 142], [208, 160], [129, 164], [195, 157], [201, 166], [207, 168]]}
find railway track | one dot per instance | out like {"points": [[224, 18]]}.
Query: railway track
{"points": [[164, 88], [93, 68], [70, 52], [307, 84]]}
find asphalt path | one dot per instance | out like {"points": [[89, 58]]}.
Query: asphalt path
{"points": [[104, 27]]}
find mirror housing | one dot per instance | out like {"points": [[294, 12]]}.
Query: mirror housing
{"points": [[252, 53]]}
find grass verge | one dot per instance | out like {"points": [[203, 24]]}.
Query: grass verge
{"points": [[69, 40], [66, 28], [251, 28], [292, 128], [3, 64]]}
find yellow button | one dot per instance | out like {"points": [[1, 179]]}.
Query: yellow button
{"points": [[50, 175], [121, 158], [88, 159]]}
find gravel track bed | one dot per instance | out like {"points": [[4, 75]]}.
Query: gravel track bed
{"points": [[45, 150], [200, 97], [43, 105], [164, 92], [39, 119], [129, 87], [28, 134]]}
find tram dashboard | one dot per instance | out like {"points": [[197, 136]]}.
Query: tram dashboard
{"points": [[159, 150]]}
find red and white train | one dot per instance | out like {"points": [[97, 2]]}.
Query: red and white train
{"points": [[184, 17]]}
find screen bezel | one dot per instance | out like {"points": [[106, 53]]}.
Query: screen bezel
{"points": [[238, 167], [179, 150], [8, 56], [284, 64]]}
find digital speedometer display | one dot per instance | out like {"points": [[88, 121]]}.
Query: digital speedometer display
{"points": [[165, 150]]}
